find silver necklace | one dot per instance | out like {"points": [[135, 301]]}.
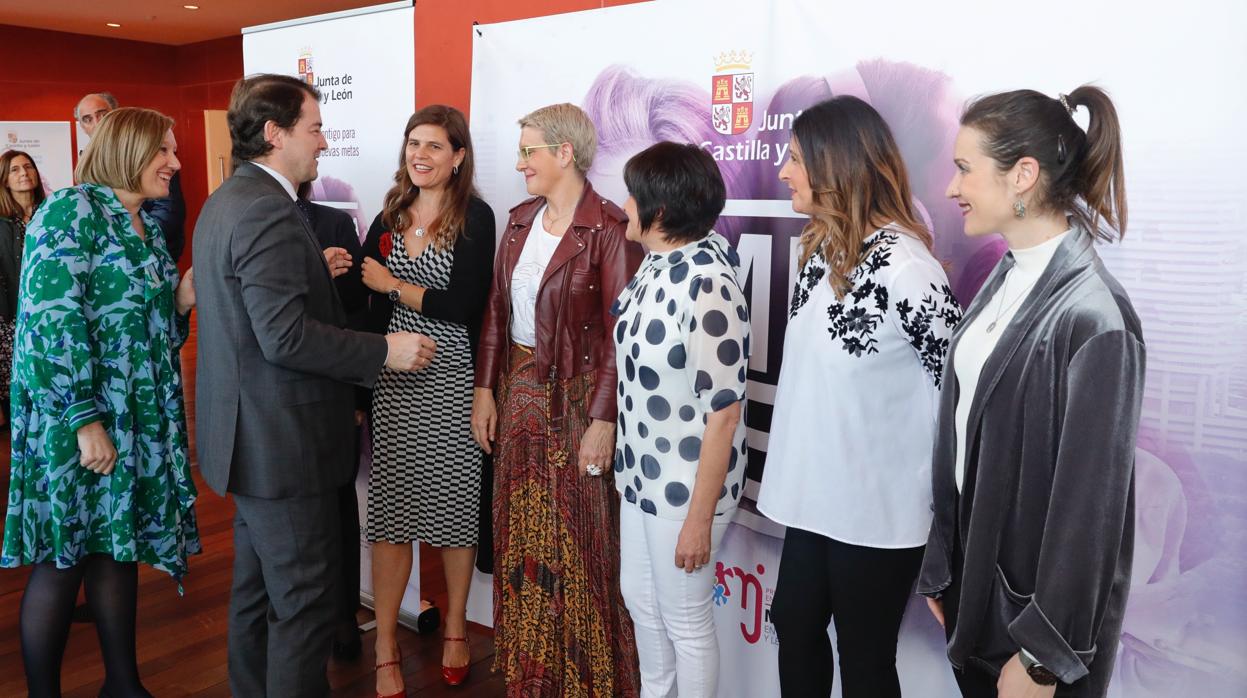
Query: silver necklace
{"points": [[419, 228], [1001, 310]]}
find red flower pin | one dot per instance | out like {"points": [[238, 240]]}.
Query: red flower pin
{"points": [[387, 243]]}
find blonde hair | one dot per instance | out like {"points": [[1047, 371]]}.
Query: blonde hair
{"points": [[122, 147], [566, 123]]}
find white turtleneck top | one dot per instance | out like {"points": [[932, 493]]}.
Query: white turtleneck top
{"points": [[980, 337]]}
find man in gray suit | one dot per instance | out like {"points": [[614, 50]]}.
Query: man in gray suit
{"points": [[274, 411]]}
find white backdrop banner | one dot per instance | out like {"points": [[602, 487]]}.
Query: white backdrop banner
{"points": [[731, 76], [48, 144], [363, 63]]}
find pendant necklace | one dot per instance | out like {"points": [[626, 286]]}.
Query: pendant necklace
{"points": [[1003, 308], [419, 228]]}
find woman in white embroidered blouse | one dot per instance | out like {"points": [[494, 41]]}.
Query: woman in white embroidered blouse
{"points": [[849, 458], [682, 347]]}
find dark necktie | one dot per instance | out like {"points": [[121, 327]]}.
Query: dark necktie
{"points": [[305, 210]]}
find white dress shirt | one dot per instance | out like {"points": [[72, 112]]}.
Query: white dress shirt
{"points": [[281, 179]]}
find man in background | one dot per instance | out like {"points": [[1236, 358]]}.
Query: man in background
{"points": [[169, 212]]}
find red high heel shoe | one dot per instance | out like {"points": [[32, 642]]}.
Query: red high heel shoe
{"points": [[455, 675], [402, 693]]}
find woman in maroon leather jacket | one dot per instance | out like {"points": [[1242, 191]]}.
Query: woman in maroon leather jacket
{"points": [[545, 399]]}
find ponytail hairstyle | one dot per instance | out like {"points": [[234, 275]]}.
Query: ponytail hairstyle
{"points": [[857, 177], [1080, 172]]}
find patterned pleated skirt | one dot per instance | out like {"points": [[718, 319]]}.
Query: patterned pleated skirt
{"points": [[560, 625]]}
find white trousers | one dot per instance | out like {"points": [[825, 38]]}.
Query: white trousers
{"points": [[672, 610]]}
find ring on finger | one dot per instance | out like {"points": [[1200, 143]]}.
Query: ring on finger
{"points": [[593, 469]]}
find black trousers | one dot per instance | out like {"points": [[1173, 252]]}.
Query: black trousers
{"points": [[863, 591]]}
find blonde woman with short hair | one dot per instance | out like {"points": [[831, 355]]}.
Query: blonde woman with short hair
{"points": [[544, 404], [100, 477]]}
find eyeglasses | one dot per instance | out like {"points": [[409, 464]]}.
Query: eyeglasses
{"points": [[526, 151]]}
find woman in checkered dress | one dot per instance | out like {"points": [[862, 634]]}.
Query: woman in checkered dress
{"points": [[430, 254]]}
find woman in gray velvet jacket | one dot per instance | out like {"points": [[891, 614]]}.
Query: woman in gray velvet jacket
{"points": [[1028, 561]]}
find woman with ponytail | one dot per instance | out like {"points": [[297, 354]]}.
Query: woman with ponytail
{"points": [[1028, 561]]}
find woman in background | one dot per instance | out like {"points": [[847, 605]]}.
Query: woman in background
{"points": [[21, 192]]}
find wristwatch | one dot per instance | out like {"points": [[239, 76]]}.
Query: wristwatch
{"points": [[1038, 672], [396, 293]]}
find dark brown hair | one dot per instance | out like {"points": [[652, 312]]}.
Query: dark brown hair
{"points": [[445, 228], [9, 208], [1080, 172], [257, 100], [857, 177]]}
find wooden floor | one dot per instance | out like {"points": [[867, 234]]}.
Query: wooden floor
{"points": [[182, 640]]}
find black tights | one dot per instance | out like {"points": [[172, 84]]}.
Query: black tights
{"points": [[47, 611]]}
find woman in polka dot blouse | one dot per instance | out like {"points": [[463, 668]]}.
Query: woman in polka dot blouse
{"points": [[681, 347]]}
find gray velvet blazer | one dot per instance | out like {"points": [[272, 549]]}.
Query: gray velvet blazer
{"points": [[1044, 529]]}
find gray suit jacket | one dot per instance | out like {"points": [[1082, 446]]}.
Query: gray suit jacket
{"points": [[274, 406], [1045, 520]]}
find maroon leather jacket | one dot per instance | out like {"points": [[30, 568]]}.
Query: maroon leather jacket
{"points": [[589, 269]]}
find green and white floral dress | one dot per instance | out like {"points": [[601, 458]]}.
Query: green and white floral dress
{"points": [[97, 336]]}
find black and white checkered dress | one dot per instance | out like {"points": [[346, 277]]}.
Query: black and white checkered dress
{"points": [[426, 470]]}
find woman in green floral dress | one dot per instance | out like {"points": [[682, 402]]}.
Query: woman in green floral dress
{"points": [[100, 477]]}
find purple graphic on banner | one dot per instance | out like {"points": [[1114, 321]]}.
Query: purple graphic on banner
{"points": [[1185, 630]]}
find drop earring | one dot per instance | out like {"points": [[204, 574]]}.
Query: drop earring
{"points": [[1019, 208]]}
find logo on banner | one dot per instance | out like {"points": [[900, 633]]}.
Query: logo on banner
{"points": [[305, 66], [731, 93], [755, 601], [12, 137]]}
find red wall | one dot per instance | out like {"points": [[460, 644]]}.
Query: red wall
{"points": [[183, 81], [180, 81]]}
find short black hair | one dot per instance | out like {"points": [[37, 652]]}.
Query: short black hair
{"points": [[678, 186], [258, 100]]}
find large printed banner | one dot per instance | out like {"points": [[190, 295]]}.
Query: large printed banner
{"points": [[732, 75], [48, 144], [363, 63]]}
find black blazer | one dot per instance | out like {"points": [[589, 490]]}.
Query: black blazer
{"points": [[274, 412], [336, 228], [170, 213], [10, 270]]}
